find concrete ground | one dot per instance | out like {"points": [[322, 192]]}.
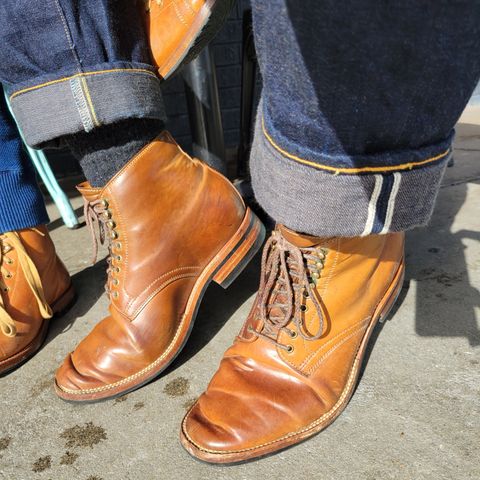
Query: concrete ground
{"points": [[415, 415]]}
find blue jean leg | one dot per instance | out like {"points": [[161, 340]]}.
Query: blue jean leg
{"points": [[73, 66], [21, 202], [359, 103]]}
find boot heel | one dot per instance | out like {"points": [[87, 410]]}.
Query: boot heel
{"points": [[249, 238], [394, 294]]}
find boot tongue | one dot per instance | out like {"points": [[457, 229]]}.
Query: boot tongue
{"points": [[301, 240], [88, 192]]}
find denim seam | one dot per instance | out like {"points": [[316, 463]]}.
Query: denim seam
{"points": [[68, 34], [81, 104], [352, 171], [83, 74]]}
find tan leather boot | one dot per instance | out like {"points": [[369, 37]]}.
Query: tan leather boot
{"points": [[294, 365], [34, 285], [175, 225], [179, 29]]}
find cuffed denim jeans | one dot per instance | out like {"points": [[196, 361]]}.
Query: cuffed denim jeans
{"points": [[359, 100], [71, 66]]}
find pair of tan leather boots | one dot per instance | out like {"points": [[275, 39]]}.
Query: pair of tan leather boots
{"points": [[174, 225]]}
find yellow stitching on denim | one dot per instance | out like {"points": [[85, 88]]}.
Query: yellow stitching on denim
{"points": [[89, 101], [84, 74], [403, 166]]}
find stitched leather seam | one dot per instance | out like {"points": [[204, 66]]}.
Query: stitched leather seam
{"points": [[167, 350], [135, 375], [329, 276], [311, 426], [335, 347], [123, 239], [129, 304], [339, 334], [159, 289], [320, 420], [324, 289]]}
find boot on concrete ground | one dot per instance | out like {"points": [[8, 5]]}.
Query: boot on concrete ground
{"points": [[294, 366]]}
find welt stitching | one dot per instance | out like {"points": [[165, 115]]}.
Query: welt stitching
{"points": [[312, 425]]}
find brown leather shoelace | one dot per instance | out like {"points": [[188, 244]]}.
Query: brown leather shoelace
{"points": [[287, 274], [97, 212]]}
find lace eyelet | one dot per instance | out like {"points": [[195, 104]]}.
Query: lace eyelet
{"points": [[8, 275], [119, 258], [9, 261], [104, 203], [117, 269], [306, 294], [115, 281], [118, 245], [111, 224], [113, 235], [319, 265], [304, 308], [293, 334], [6, 289], [290, 348], [115, 294]]}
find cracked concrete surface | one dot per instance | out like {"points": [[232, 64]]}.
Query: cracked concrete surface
{"points": [[415, 415]]}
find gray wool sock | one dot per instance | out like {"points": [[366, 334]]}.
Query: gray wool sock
{"points": [[105, 150]]}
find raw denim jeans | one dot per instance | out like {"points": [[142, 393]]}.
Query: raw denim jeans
{"points": [[359, 103], [75, 65], [359, 97]]}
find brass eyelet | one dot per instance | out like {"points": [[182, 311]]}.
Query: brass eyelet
{"points": [[117, 269], [8, 275], [290, 348], [111, 224], [119, 258], [107, 214], [6, 289], [304, 308], [113, 235], [115, 294], [293, 334], [319, 265], [315, 275], [306, 294], [118, 245], [115, 281], [104, 202]]}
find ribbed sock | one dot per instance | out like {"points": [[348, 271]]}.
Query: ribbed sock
{"points": [[105, 150]]}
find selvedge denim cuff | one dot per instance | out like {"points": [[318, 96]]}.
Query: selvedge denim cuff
{"points": [[332, 198], [102, 95]]}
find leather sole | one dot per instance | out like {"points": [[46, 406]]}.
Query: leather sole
{"points": [[59, 307], [222, 269], [239, 456], [207, 23]]}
